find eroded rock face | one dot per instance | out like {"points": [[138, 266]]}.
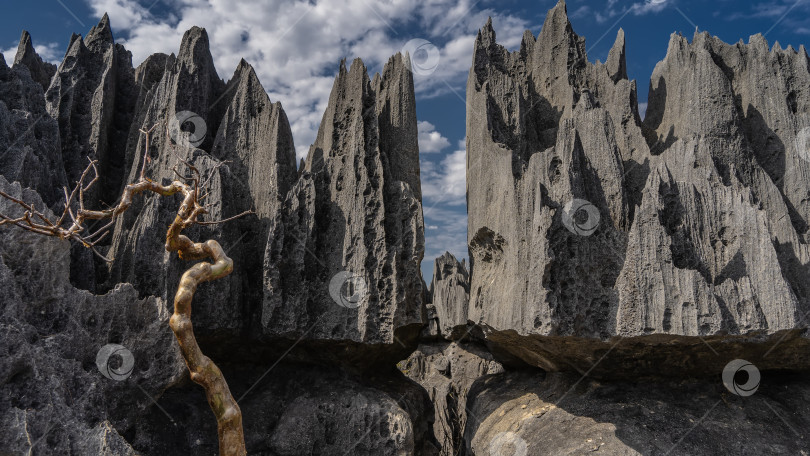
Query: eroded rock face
{"points": [[364, 184], [237, 124], [53, 397], [530, 412], [546, 127], [91, 98], [447, 371], [298, 409], [728, 195], [356, 211], [29, 137], [41, 72], [588, 227], [449, 295]]}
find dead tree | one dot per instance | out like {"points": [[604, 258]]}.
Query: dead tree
{"points": [[202, 370]]}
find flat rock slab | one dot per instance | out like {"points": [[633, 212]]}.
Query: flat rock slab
{"points": [[529, 413]]}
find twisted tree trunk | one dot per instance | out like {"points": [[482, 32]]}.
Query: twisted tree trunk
{"points": [[203, 371]]}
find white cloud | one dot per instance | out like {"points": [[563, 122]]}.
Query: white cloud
{"points": [[8, 54], [445, 183], [580, 12], [642, 109], [612, 10], [444, 193], [296, 45], [450, 235], [430, 140], [649, 6]]}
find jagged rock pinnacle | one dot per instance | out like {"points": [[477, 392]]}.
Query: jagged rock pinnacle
{"points": [[617, 60], [41, 72]]}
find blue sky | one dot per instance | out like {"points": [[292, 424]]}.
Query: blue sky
{"points": [[296, 46]]}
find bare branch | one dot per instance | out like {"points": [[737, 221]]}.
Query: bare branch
{"points": [[215, 222], [203, 370]]}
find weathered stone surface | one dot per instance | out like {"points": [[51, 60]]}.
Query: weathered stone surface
{"points": [[726, 145], [543, 129], [354, 210], [29, 137], [527, 413], [92, 97], [241, 127], [98, 104], [583, 233], [694, 252], [41, 72], [53, 397], [265, 165], [298, 409], [449, 295], [447, 371]]}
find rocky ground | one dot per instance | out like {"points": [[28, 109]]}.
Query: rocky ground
{"points": [[619, 268]]}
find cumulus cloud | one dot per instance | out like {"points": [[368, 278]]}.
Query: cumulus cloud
{"points": [[446, 232], [430, 140], [296, 45], [613, 11], [649, 6], [445, 182]]}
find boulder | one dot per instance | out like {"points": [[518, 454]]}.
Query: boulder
{"points": [[529, 412], [447, 370]]}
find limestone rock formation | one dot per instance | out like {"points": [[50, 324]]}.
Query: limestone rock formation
{"points": [[355, 213], [41, 72], [362, 181], [54, 398], [590, 230], [242, 142], [732, 182], [629, 260], [300, 409], [530, 413], [449, 295], [28, 135], [90, 96], [447, 371], [545, 128]]}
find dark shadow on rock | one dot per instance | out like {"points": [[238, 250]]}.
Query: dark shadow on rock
{"points": [[296, 409], [769, 151], [568, 414]]}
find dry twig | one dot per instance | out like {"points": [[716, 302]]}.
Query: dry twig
{"points": [[203, 371]]}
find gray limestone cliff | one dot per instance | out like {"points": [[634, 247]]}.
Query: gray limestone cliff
{"points": [[616, 265], [357, 207], [32, 146], [447, 371], [531, 412], [53, 400], [593, 233], [90, 97], [448, 297], [241, 145], [355, 212], [41, 72]]}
